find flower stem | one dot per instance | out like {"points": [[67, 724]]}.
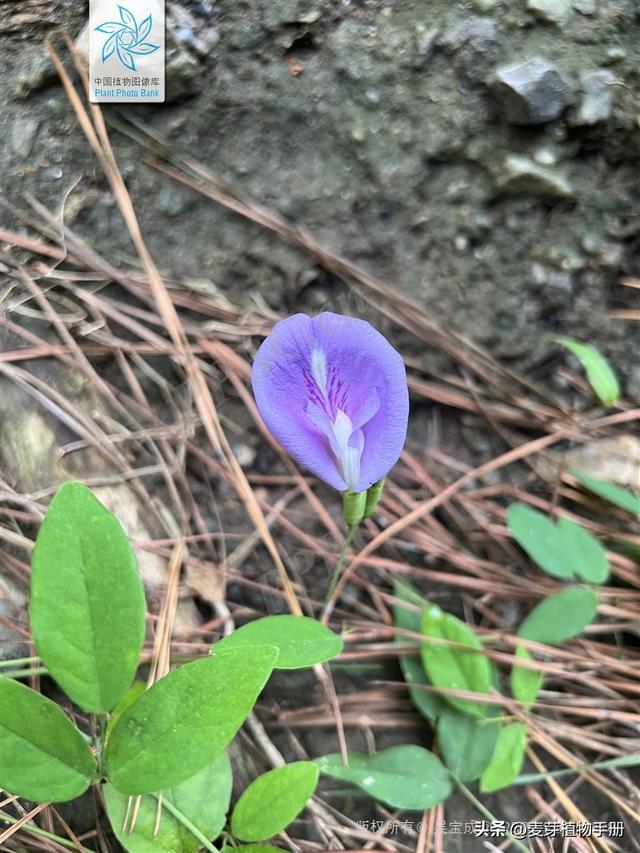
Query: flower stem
{"points": [[181, 818], [488, 814], [336, 572]]}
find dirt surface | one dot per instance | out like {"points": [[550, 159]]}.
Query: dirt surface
{"points": [[381, 128]]}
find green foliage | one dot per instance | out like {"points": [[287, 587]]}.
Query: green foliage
{"points": [[525, 682], [353, 507], [203, 800], [611, 492], [300, 641], [87, 601], [466, 743], [374, 493], [564, 550], [134, 692], [273, 800], [88, 622], [251, 848], [404, 777], [599, 373], [507, 759], [185, 720], [43, 756], [452, 668], [561, 616], [430, 705]]}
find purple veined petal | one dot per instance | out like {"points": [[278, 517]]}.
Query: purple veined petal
{"points": [[333, 391]]}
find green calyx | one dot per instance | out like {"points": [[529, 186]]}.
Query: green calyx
{"points": [[373, 498], [356, 506]]}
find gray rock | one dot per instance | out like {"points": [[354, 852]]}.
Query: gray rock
{"points": [[585, 7], [172, 200], [615, 54], [23, 135], [520, 175], [245, 454], [474, 45], [425, 42], [36, 72], [551, 11], [596, 100], [182, 72], [532, 92], [591, 243], [190, 31]]}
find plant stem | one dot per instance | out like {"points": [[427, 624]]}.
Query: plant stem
{"points": [[25, 673], [18, 661], [622, 761], [489, 815], [337, 570], [204, 841]]}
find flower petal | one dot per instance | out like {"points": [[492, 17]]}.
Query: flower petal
{"points": [[282, 394], [313, 377], [369, 362]]}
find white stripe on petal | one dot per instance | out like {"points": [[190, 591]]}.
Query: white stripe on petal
{"points": [[319, 370], [347, 456]]}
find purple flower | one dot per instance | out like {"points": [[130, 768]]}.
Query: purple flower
{"points": [[333, 391]]}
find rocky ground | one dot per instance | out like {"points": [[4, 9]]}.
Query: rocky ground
{"points": [[482, 156]]}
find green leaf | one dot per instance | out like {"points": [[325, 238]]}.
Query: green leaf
{"points": [[587, 554], [43, 756], [525, 683], [404, 777], [428, 704], [599, 373], [185, 720], [451, 668], [252, 848], [507, 759], [466, 743], [540, 538], [134, 692], [203, 800], [609, 492], [563, 550], [301, 642], [87, 601], [273, 800], [560, 616]]}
